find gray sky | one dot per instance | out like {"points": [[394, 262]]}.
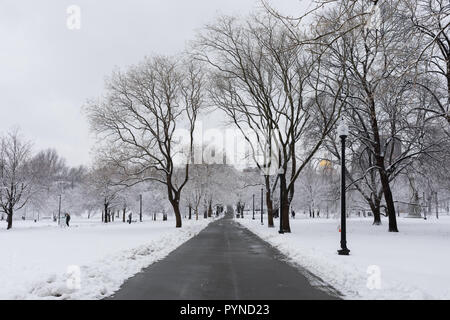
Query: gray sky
{"points": [[47, 71]]}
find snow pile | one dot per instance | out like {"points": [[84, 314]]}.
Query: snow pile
{"points": [[86, 261], [412, 264]]}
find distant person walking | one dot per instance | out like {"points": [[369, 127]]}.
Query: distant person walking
{"points": [[67, 219], [130, 216]]}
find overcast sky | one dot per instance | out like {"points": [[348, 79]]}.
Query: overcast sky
{"points": [[47, 71]]}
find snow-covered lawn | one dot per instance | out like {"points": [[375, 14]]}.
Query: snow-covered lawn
{"points": [[413, 264], [41, 261]]}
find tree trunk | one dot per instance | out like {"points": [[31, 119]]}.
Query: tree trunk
{"points": [[123, 214], [210, 209], [285, 207], [190, 212], [381, 167], [9, 219], [176, 210], [269, 203], [382, 172], [437, 204], [376, 216], [375, 208], [388, 198], [106, 213]]}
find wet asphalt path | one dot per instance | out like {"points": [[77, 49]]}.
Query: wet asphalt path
{"points": [[224, 262]]}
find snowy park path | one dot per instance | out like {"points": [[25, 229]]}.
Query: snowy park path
{"points": [[89, 260], [224, 261]]}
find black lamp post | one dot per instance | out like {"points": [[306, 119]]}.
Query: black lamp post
{"points": [[61, 189], [140, 207], [59, 210], [280, 173], [253, 207], [262, 206], [343, 134]]}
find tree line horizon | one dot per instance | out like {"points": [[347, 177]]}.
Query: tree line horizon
{"points": [[383, 66]]}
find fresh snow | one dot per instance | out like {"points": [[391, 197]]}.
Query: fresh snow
{"points": [[413, 264], [41, 260]]}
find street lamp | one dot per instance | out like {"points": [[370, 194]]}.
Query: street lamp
{"points": [[253, 206], [262, 206], [280, 173], [342, 131], [59, 209], [140, 208], [238, 206], [61, 189]]}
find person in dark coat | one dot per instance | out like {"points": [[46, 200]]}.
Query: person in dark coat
{"points": [[67, 219], [130, 216]]}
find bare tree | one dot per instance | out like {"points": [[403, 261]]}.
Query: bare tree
{"points": [[262, 80], [211, 184], [16, 178], [387, 129], [138, 118], [430, 173], [319, 29], [430, 20], [196, 189], [50, 174], [104, 188], [318, 188]]}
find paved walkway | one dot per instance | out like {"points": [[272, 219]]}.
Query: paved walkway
{"points": [[225, 261]]}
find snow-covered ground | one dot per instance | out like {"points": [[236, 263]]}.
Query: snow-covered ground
{"points": [[411, 264], [89, 260]]}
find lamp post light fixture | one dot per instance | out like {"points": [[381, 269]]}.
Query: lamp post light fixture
{"points": [[281, 173], [343, 132]]}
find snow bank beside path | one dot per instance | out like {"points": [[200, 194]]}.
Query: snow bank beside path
{"points": [[89, 260], [413, 264]]}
